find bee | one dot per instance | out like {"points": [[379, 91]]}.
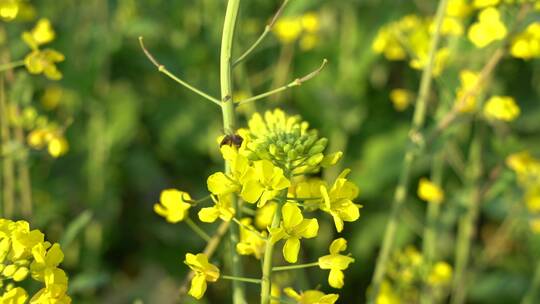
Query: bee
{"points": [[232, 140]]}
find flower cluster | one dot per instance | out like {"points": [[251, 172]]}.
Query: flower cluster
{"points": [[527, 170], [408, 272], [304, 28], [271, 176], [24, 253], [42, 61], [526, 45]]}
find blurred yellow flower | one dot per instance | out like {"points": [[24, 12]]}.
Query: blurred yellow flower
{"points": [[501, 108], [387, 295], [42, 33], [38, 62], [401, 99], [293, 228], [288, 29], [485, 3], [532, 199], [487, 29], [526, 45], [430, 192], [265, 215], [336, 262], [441, 274], [251, 242], [173, 205], [52, 97], [458, 8], [204, 271], [440, 61], [57, 146], [311, 296], [310, 22], [15, 295], [466, 93], [9, 9]]}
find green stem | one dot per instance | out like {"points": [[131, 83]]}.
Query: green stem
{"points": [[8, 185], [266, 284], [400, 193], [292, 267], [23, 175], [429, 245], [11, 65], [162, 69], [198, 230], [265, 33], [467, 222], [532, 293], [294, 83], [229, 126], [240, 279]]}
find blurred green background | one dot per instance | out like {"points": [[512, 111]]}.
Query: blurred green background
{"points": [[133, 132]]}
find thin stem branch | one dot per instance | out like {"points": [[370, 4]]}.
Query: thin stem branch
{"points": [[162, 69], [198, 230], [240, 279], [11, 65], [467, 223], [295, 83], [292, 267], [229, 126], [401, 190], [267, 30]]}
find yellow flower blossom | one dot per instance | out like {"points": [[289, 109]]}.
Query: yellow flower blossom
{"points": [[293, 228], [501, 108], [251, 243], [441, 274], [42, 33], [309, 191], [458, 8], [44, 61], [265, 215], [489, 28], [311, 296], [532, 199], [204, 271], [430, 192], [308, 42], [265, 185], [222, 208], [173, 205], [440, 61], [337, 201], [310, 22], [466, 93], [9, 9], [57, 146], [220, 183], [15, 295], [288, 29], [401, 99], [485, 3], [336, 262], [387, 295], [527, 44], [451, 27]]}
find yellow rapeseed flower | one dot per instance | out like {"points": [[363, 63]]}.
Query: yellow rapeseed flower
{"points": [[57, 146], [293, 228], [485, 3], [9, 9], [265, 184], [458, 8], [430, 192], [336, 262], [488, 28], [251, 242], [222, 208], [265, 215], [15, 295], [42, 33], [501, 108], [204, 271], [337, 201], [173, 205], [441, 274], [44, 62], [466, 93], [288, 29], [527, 44], [401, 99], [311, 296]]}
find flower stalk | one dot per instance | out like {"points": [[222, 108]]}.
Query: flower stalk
{"points": [[229, 125], [400, 193]]}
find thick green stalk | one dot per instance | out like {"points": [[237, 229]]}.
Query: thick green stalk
{"points": [[229, 126], [401, 190], [532, 294], [266, 282], [429, 245], [467, 222]]}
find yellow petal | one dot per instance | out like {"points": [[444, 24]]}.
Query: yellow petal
{"points": [[198, 286], [292, 216], [291, 249], [208, 215], [338, 245]]}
